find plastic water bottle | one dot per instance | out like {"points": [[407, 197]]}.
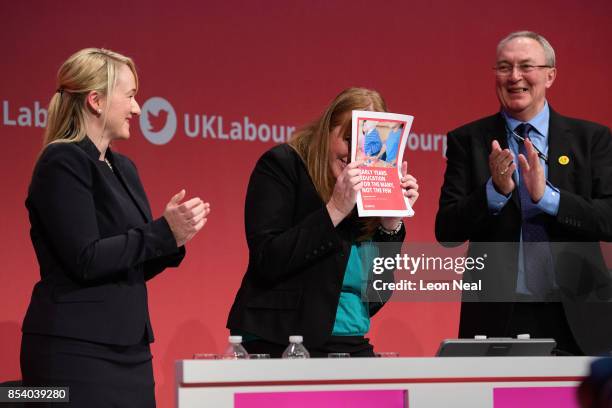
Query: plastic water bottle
{"points": [[235, 350], [296, 349]]}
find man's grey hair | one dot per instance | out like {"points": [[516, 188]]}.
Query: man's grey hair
{"points": [[549, 52]]}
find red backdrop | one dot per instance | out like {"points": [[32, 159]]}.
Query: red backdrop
{"points": [[277, 63]]}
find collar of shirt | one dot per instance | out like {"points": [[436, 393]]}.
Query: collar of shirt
{"points": [[539, 133]]}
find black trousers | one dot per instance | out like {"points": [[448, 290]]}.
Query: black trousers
{"points": [[538, 319], [98, 375]]}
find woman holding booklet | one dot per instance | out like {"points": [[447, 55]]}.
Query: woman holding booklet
{"points": [[310, 255]]}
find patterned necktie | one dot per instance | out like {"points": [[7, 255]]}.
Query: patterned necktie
{"points": [[538, 266]]}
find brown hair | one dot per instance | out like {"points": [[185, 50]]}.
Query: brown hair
{"points": [[312, 141]]}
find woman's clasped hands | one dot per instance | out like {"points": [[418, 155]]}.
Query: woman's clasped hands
{"points": [[186, 218]]}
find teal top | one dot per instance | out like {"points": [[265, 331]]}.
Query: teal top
{"points": [[353, 315]]}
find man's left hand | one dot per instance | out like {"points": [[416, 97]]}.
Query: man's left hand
{"points": [[532, 172]]}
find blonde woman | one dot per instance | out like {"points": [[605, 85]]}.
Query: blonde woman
{"points": [[309, 254], [87, 326]]}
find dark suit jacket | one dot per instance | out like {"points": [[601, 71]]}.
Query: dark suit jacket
{"points": [[584, 219], [96, 244], [297, 258]]}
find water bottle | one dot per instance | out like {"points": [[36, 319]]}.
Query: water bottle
{"points": [[235, 350], [296, 349]]}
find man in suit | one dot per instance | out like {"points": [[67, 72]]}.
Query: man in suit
{"points": [[532, 189]]}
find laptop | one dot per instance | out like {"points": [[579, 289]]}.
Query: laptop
{"points": [[496, 347]]}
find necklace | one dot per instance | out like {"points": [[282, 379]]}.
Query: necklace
{"points": [[108, 164]]}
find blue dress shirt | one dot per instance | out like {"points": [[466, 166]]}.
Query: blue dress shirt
{"points": [[549, 203]]}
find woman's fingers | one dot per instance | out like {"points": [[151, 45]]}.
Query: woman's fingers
{"points": [[187, 218]]}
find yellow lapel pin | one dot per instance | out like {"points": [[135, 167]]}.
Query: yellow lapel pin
{"points": [[563, 160]]}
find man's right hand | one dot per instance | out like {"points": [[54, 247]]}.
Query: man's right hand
{"points": [[502, 166]]}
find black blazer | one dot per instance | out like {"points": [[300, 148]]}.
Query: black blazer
{"points": [[297, 258], [96, 244], [585, 216]]}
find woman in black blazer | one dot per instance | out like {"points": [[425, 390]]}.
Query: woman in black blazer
{"points": [[87, 326], [306, 243]]}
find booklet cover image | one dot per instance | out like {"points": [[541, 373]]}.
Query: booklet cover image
{"points": [[379, 139]]}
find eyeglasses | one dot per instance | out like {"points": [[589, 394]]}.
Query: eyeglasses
{"points": [[507, 69]]}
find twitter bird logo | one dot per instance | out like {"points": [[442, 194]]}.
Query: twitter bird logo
{"points": [[158, 120]]}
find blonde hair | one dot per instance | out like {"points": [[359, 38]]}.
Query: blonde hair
{"points": [[90, 69], [312, 141]]}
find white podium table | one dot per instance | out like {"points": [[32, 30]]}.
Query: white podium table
{"points": [[431, 382]]}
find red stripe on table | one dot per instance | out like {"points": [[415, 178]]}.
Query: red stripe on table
{"points": [[383, 381]]}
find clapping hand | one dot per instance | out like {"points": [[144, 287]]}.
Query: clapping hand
{"points": [[532, 172], [185, 218], [502, 166]]}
